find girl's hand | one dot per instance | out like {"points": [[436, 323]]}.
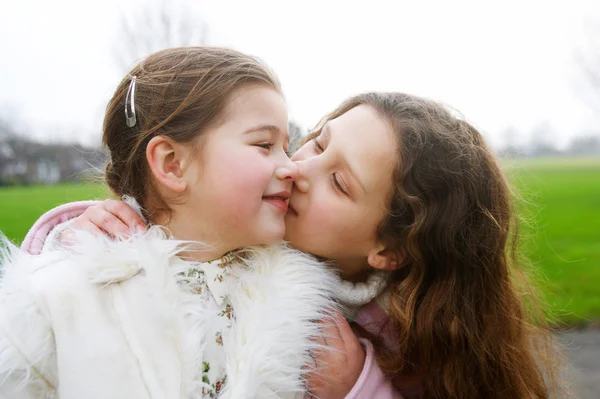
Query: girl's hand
{"points": [[110, 217], [340, 364]]}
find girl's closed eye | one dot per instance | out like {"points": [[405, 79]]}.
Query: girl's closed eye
{"points": [[318, 145], [338, 185], [335, 179]]}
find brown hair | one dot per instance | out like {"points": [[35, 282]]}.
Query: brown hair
{"points": [[460, 320], [179, 93]]}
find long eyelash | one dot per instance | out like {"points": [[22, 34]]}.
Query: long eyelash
{"points": [[337, 184], [319, 147], [335, 180]]}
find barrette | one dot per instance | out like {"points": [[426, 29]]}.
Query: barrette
{"points": [[130, 118]]}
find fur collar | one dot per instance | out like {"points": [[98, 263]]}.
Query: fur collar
{"points": [[353, 296], [278, 293]]}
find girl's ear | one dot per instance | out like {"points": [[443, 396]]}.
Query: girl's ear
{"points": [[167, 161], [383, 259]]}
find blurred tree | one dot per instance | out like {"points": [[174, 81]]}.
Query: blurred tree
{"points": [[588, 59], [585, 145], [157, 25], [33, 162], [510, 146], [26, 161], [7, 128], [7, 154], [296, 135], [543, 140]]}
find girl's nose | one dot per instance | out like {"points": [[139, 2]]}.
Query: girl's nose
{"points": [[302, 182], [287, 171]]}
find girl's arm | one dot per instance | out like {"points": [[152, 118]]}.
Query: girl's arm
{"points": [[346, 368], [372, 382], [98, 217], [45, 228]]}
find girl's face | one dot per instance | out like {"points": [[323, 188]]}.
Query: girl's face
{"points": [[241, 185], [344, 183]]}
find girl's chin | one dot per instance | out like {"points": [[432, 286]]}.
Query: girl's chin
{"points": [[289, 233], [274, 235]]}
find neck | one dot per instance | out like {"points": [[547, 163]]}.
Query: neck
{"points": [[354, 270], [204, 247]]}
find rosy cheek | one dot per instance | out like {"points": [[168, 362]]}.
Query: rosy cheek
{"points": [[322, 217], [247, 171], [241, 185]]}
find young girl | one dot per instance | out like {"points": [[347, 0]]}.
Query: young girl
{"points": [[191, 131], [393, 182]]}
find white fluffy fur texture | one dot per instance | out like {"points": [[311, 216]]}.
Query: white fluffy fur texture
{"points": [[279, 293], [27, 356]]}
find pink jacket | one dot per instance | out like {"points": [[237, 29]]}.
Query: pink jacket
{"points": [[371, 383]]}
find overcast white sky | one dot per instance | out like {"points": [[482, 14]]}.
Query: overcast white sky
{"points": [[506, 64]]}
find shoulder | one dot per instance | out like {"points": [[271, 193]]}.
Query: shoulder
{"points": [[105, 260], [19, 267], [42, 278], [29, 287], [374, 318], [92, 262], [35, 238]]}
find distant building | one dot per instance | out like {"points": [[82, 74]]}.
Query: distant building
{"points": [[27, 162]]}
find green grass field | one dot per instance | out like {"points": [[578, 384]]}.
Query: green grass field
{"points": [[562, 236], [20, 207]]}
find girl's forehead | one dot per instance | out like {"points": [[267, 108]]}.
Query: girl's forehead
{"points": [[246, 96], [256, 105]]}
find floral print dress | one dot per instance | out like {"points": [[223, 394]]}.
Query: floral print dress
{"points": [[212, 280]]}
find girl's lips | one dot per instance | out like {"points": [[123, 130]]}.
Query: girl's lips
{"points": [[280, 203], [291, 210]]}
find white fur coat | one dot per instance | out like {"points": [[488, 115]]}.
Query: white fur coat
{"points": [[110, 320]]}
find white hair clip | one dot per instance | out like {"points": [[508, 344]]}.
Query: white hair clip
{"points": [[130, 118]]}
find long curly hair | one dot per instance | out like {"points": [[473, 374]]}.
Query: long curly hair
{"points": [[467, 322]]}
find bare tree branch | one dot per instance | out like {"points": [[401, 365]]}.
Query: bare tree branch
{"points": [[587, 57], [158, 25]]}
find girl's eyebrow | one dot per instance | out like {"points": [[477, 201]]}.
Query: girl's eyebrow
{"points": [[264, 127], [274, 130]]}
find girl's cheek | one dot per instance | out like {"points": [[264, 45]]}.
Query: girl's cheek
{"points": [[324, 214], [248, 172]]}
